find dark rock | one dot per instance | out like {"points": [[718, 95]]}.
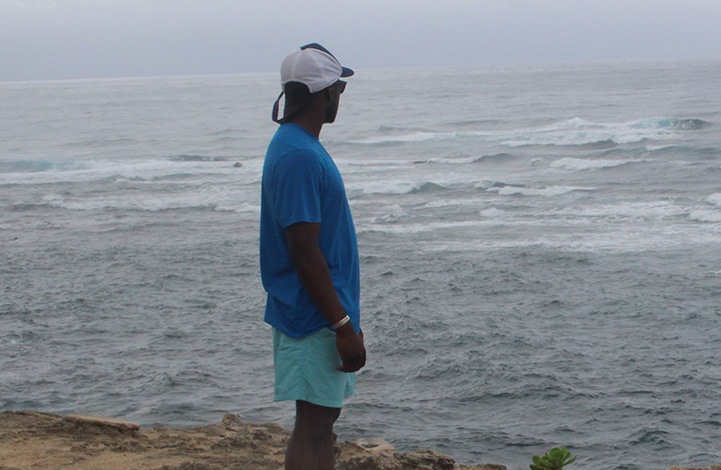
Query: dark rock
{"points": [[84, 424]]}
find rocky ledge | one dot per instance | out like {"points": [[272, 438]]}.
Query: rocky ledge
{"points": [[42, 441]]}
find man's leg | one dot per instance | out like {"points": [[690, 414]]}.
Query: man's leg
{"points": [[311, 446]]}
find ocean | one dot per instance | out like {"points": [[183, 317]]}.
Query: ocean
{"points": [[540, 256]]}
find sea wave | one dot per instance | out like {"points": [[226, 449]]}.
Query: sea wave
{"points": [[417, 136], [580, 132], [449, 160], [671, 123], [550, 191], [42, 172], [32, 166], [705, 153], [203, 198], [581, 164], [416, 227], [495, 158], [657, 211], [714, 199], [197, 158], [397, 187], [571, 132], [492, 212], [455, 202], [705, 215]]}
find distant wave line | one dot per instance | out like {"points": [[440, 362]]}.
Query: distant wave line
{"points": [[575, 131], [581, 164]]}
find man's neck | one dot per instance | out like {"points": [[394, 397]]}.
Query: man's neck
{"points": [[313, 116], [314, 126]]}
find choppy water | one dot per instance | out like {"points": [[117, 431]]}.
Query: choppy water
{"points": [[540, 256]]}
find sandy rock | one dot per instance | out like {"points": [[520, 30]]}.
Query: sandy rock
{"points": [[88, 422], [234, 423], [375, 446], [21, 420], [377, 454], [366, 454], [426, 459], [42, 441]]}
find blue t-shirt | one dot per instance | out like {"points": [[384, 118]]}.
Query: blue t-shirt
{"points": [[301, 183]]}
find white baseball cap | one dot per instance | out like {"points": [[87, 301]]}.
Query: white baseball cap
{"points": [[312, 65]]}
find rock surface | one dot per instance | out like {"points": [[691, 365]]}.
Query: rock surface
{"points": [[42, 441], [106, 425]]}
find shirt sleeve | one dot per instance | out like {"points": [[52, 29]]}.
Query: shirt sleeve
{"points": [[297, 184]]}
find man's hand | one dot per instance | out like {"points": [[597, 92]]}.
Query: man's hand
{"points": [[314, 274], [350, 347]]}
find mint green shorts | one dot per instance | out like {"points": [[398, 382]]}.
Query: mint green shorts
{"points": [[305, 369]]}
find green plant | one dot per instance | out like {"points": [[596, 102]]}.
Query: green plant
{"points": [[555, 459]]}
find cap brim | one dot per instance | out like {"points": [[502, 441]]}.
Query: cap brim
{"points": [[346, 72]]}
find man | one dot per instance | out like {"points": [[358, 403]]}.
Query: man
{"points": [[309, 259]]}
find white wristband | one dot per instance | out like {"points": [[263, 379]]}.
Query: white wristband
{"points": [[342, 322]]}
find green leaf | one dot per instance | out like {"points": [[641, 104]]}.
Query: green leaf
{"points": [[555, 459]]}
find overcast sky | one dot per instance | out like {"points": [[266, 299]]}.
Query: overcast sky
{"points": [[61, 39]]}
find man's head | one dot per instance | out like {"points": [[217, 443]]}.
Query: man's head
{"points": [[307, 75]]}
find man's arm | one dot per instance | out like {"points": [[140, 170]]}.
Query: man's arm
{"points": [[313, 271]]}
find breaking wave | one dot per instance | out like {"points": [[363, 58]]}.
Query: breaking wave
{"points": [[672, 123], [580, 132], [581, 164], [571, 132], [545, 192]]}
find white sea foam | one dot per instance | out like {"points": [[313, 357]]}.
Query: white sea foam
{"points": [[705, 215], [436, 203], [209, 196], [581, 164], [378, 185], [371, 162], [653, 148], [240, 209], [545, 192], [455, 161], [418, 227], [630, 239], [571, 132], [577, 131], [492, 212], [386, 187], [483, 184], [714, 199], [396, 214], [147, 170], [413, 137], [656, 210], [124, 203]]}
